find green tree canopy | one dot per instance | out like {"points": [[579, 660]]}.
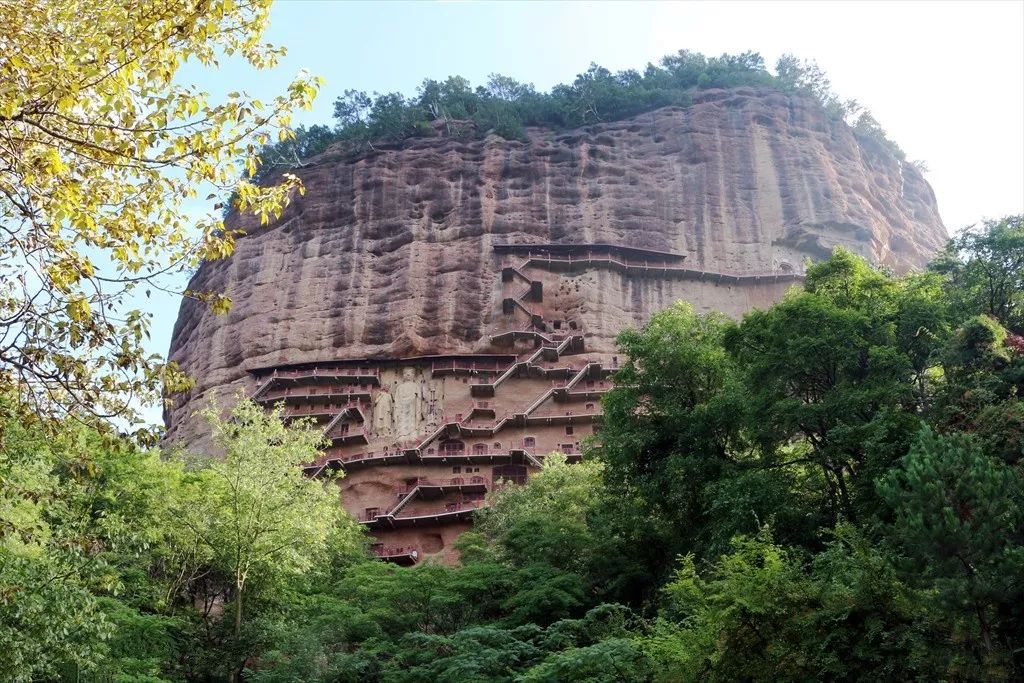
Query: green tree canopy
{"points": [[984, 269], [505, 107]]}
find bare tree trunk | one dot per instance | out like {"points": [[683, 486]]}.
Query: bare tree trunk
{"points": [[238, 613], [236, 673]]}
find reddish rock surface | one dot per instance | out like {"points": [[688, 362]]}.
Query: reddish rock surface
{"points": [[392, 255]]}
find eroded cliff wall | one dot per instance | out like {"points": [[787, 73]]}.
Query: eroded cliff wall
{"points": [[391, 255]]}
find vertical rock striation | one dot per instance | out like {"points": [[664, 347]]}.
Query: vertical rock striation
{"points": [[392, 255]]}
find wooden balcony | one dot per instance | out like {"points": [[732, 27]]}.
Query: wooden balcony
{"points": [[357, 461], [343, 395], [461, 511], [646, 267], [293, 378], [404, 556], [328, 411], [465, 367], [433, 488], [450, 513], [578, 250], [564, 418]]}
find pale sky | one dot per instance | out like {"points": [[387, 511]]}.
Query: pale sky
{"points": [[945, 79]]}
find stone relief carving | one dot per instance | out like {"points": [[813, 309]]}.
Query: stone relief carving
{"points": [[434, 409], [408, 410], [382, 413]]}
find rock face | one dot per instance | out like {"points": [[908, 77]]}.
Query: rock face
{"points": [[394, 268]]}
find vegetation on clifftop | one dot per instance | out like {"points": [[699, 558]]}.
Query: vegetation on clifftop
{"points": [[504, 106]]}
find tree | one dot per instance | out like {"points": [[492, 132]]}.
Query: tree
{"points": [[981, 371], [451, 98], [721, 624], [762, 612], [958, 519], [293, 152], [684, 68], [671, 426], [392, 118], [258, 516], [546, 520], [48, 616], [350, 109], [350, 112], [984, 271], [615, 660], [106, 549], [90, 555], [507, 88], [805, 76], [867, 127], [834, 369], [100, 148]]}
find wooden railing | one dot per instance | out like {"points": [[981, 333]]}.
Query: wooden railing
{"points": [[467, 366], [282, 373], [475, 480], [589, 259], [305, 411], [385, 552], [459, 506], [314, 392]]}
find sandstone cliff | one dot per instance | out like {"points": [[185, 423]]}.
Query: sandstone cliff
{"points": [[391, 255]]}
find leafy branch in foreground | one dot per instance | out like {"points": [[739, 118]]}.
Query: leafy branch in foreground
{"points": [[100, 150]]}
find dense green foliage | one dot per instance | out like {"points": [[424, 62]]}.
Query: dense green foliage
{"points": [[828, 489], [505, 107], [119, 563]]}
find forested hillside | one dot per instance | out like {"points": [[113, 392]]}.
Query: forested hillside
{"points": [[826, 489]]}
